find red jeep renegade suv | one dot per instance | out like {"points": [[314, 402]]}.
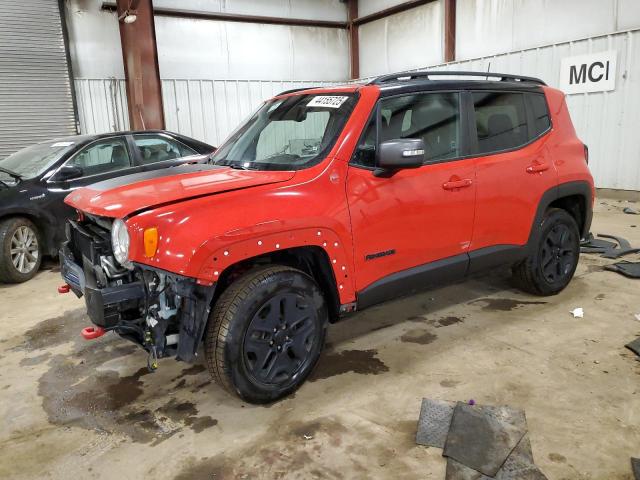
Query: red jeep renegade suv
{"points": [[327, 201]]}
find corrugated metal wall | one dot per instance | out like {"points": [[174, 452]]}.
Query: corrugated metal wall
{"points": [[211, 109], [35, 92], [102, 105], [204, 109]]}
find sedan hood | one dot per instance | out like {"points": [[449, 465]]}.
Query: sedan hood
{"points": [[129, 194]]}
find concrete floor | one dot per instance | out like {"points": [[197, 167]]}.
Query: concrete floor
{"points": [[76, 409]]}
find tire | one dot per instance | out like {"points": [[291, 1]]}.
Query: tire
{"points": [[20, 250], [553, 258], [244, 354]]}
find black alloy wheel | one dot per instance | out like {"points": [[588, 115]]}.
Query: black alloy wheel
{"points": [[265, 333], [279, 338], [558, 253]]}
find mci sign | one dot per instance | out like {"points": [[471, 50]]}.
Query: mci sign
{"points": [[588, 73]]}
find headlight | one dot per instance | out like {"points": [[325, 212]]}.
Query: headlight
{"points": [[120, 243]]}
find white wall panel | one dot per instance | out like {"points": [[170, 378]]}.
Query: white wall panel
{"points": [[402, 41], [308, 9], [606, 121], [204, 49], [367, 7], [102, 105], [210, 110], [94, 40], [488, 27]]}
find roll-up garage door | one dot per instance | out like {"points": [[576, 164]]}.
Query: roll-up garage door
{"points": [[36, 102]]}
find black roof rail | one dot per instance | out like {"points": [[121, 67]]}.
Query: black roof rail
{"points": [[293, 90], [415, 75]]}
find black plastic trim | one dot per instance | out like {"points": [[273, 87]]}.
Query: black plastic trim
{"points": [[495, 255], [414, 279]]}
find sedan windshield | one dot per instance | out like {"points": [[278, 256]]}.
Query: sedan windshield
{"points": [[34, 160], [287, 134]]}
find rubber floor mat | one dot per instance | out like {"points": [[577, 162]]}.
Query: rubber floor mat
{"points": [[434, 422], [634, 346], [596, 245], [628, 269], [518, 466], [635, 468], [482, 437]]}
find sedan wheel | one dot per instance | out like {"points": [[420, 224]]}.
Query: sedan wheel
{"points": [[20, 250], [25, 251]]}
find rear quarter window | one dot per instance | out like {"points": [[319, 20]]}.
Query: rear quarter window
{"points": [[540, 111]]}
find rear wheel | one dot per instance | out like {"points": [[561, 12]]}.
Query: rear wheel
{"points": [[265, 333], [553, 259], [20, 250]]}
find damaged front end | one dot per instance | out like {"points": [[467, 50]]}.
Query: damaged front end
{"points": [[163, 312]]}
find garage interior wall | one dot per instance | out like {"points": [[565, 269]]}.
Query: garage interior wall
{"points": [[34, 73], [208, 68]]}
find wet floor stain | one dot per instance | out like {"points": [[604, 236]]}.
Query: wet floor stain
{"points": [[55, 331], [557, 458], [295, 450], [77, 391], [448, 383], [193, 370], [333, 363], [446, 321], [419, 336], [37, 360], [503, 304]]}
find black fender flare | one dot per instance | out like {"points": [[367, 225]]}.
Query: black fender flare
{"points": [[581, 188]]}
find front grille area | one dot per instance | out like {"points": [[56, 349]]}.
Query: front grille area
{"points": [[88, 240]]}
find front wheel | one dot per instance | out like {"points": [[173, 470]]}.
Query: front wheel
{"points": [[550, 265], [265, 333], [20, 250]]}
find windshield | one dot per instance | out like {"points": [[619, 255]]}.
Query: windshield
{"points": [[287, 134], [34, 160]]}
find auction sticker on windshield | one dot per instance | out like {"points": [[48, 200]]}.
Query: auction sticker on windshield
{"points": [[327, 101], [61, 144]]}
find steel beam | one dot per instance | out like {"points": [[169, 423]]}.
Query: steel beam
{"points": [[354, 42], [234, 17], [449, 30], [401, 7], [140, 57]]}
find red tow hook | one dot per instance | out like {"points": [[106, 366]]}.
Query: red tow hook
{"points": [[64, 289], [90, 333]]}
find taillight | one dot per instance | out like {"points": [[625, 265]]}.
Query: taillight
{"points": [[586, 154]]}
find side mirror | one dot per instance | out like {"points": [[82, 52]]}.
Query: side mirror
{"points": [[398, 154], [69, 172]]}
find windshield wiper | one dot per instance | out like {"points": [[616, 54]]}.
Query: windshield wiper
{"points": [[11, 173]]}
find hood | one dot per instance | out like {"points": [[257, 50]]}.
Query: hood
{"points": [[123, 196]]}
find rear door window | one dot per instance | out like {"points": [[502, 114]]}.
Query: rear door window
{"points": [[103, 156], [501, 121], [157, 148]]}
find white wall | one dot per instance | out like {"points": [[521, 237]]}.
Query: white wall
{"points": [[367, 7], [488, 27], [308, 9], [94, 40], [402, 41], [208, 49]]}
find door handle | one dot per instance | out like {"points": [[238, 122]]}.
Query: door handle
{"points": [[537, 168], [453, 185]]}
